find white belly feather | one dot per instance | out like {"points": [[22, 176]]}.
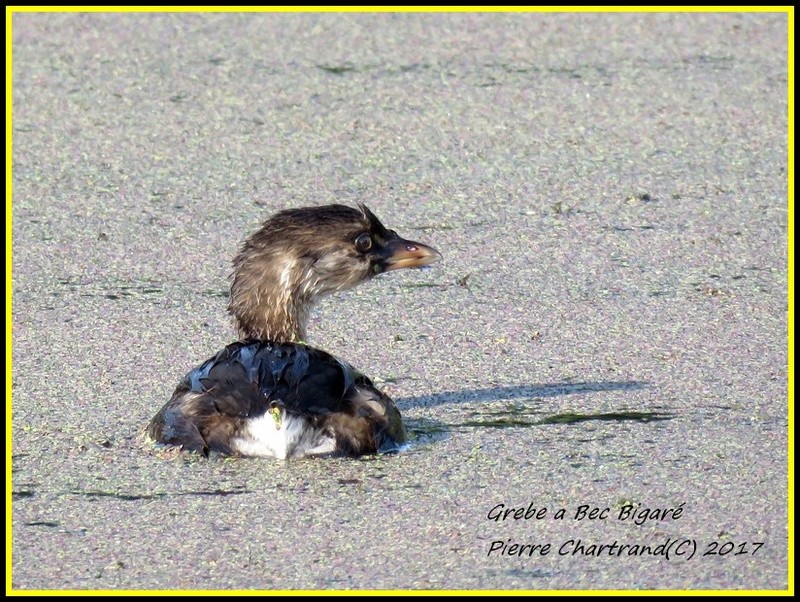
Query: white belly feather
{"points": [[287, 437]]}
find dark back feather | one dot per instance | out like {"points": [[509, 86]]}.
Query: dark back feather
{"points": [[295, 376]]}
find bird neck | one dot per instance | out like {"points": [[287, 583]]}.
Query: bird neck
{"points": [[268, 301], [277, 318]]}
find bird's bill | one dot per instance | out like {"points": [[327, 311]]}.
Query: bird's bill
{"points": [[401, 253]]}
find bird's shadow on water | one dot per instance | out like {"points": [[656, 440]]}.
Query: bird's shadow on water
{"points": [[523, 407], [532, 391]]}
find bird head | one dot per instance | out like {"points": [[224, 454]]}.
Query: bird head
{"points": [[301, 254]]}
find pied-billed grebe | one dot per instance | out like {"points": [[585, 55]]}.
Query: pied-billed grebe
{"points": [[271, 394]]}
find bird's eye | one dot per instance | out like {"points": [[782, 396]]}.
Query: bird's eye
{"points": [[364, 242]]}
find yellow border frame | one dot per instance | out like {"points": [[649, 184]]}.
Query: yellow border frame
{"points": [[401, 9], [789, 10]]}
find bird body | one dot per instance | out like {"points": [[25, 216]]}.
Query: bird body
{"points": [[260, 398], [270, 394]]}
